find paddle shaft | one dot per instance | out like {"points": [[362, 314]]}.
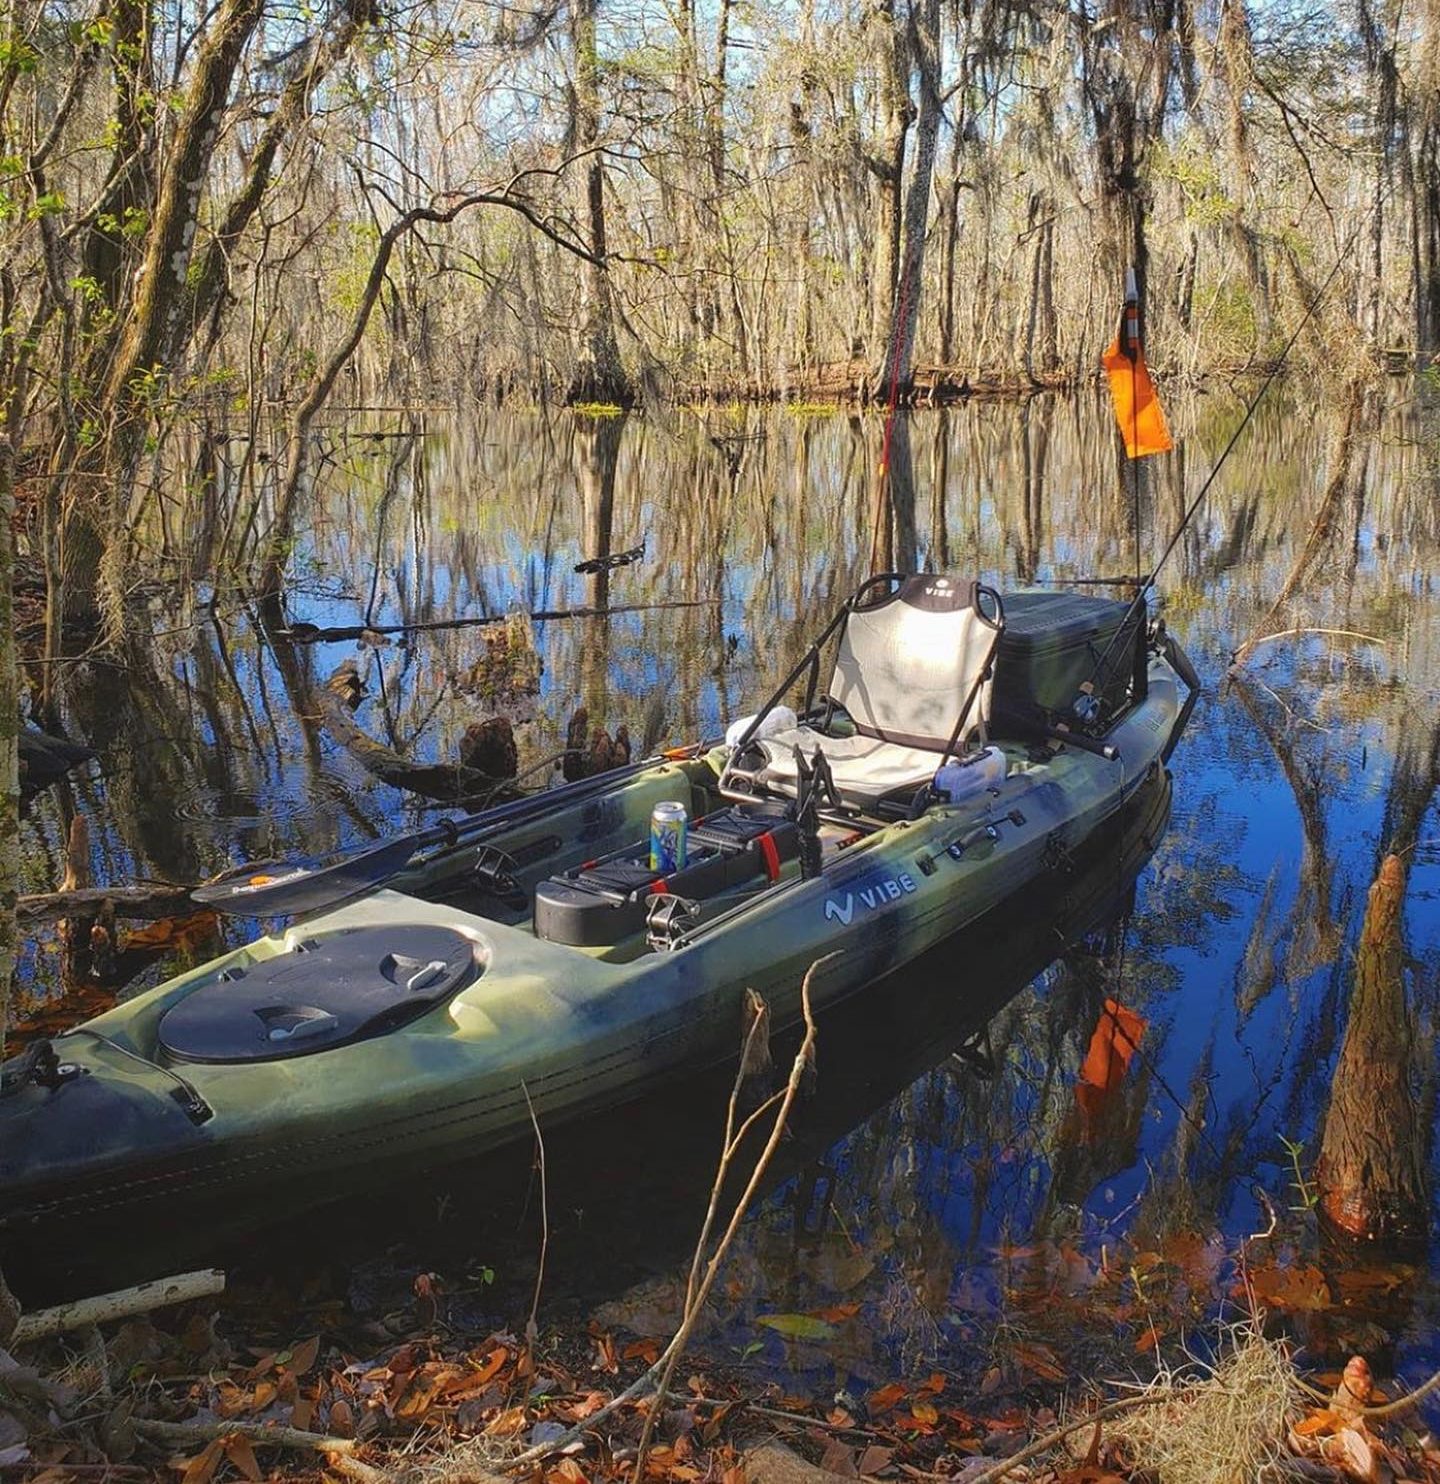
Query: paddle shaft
{"points": [[302, 890]]}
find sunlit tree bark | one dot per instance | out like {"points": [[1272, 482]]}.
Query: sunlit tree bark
{"points": [[1372, 1167]]}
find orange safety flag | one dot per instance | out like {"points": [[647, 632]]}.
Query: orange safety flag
{"points": [[1137, 408]]}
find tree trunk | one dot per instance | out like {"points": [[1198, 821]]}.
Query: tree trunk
{"points": [[1372, 1168], [9, 740], [597, 458], [888, 168], [599, 376], [1426, 172], [905, 315], [163, 273]]}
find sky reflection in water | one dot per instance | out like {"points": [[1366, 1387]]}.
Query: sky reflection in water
{"points": [[962, 1197]]}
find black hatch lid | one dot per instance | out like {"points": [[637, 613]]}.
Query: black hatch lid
{"points": [[1057, 620], [328, 990]]}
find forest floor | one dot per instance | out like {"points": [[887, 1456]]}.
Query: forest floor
{"points": [[222, 1389]]}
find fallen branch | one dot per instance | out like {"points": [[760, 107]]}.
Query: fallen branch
{"points": [[1404, 1403], [309, 633], [141, 1299], [1045, 1444], [1331, 633], [445, 781], [149, 903], [188, 1434]]}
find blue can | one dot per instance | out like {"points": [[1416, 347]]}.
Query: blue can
{"points": [[669, 824]]}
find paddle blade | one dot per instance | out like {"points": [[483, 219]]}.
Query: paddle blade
{"points": [[302, 889]]}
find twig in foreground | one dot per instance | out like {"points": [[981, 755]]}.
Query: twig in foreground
{"points": [[531, 1327], [695, 1297], [456, 1467]]}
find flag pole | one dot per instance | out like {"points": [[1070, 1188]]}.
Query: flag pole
{"points": [[1132, 327]]}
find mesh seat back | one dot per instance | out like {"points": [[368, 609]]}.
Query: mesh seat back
{"points": [[907, 664]]}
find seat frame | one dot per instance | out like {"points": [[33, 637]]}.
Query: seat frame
{"points": [[819, 710]]}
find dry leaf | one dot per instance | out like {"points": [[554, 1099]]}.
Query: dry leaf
{"points": [[838, 1313], [242, 1456], [886, 1399], [507, 1424], [605, 1357], [798, 1326], [567, 1471], [1040, 1359], [342, 1419], [1321, 1420], [303, 1356], [201, 1468], [873, 1459], [838, 1458], [924, 1413], [1300, 1288]]}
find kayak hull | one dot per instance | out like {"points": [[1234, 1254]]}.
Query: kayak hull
{"points": [[123, 1135]]}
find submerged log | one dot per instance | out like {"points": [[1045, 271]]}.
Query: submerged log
{"points": [[492, 744], [45, 760], [1371, 1172], [150, 903]]}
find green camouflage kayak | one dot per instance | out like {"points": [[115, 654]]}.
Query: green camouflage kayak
{"points": [[541, 961]]}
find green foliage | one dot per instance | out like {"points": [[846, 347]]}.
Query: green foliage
{"points": [[52, 203], [18, 56], [98, 32], [1197, 173], [1225, 316], [1308, 1195]]}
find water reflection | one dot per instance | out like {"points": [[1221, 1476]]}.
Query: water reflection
{"points": [[1291, 785]]}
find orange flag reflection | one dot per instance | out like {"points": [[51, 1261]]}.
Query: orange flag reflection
{"points": [[1107, 1058], [1137, 408]]}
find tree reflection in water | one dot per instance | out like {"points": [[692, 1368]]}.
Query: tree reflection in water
{"points": [[1243, 956]]}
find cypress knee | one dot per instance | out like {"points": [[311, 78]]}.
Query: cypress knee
{"points": [[1371, 1172]]}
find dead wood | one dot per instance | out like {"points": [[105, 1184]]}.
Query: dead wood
{"points": [[45, 760], [188, 1434], [121, 1304], [446, 781], [149, 903], [309, 633]]}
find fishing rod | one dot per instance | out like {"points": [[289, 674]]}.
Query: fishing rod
{"points": [[1137, 603]]}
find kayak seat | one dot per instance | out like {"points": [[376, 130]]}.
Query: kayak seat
{"points": [[326, 991], [601, 904], [913, 676]]}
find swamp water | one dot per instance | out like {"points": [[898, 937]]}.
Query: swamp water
{"points": [[954, 1198]]}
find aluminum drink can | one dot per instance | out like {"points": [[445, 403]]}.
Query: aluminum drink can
{"points": [[668, 826]]}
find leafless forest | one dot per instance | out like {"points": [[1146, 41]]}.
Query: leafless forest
{"points": [[218, 220]]}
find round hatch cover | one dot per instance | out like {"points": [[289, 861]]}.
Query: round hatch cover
{"points": [[327, 991]]}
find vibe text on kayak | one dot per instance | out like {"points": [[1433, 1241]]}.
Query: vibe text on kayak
{"points": [[879, 894]]}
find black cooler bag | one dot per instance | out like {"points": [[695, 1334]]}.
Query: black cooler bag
{"points": [[1055, 645]]}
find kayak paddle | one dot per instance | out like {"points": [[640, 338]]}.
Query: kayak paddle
{"points": [[275, 893]]}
